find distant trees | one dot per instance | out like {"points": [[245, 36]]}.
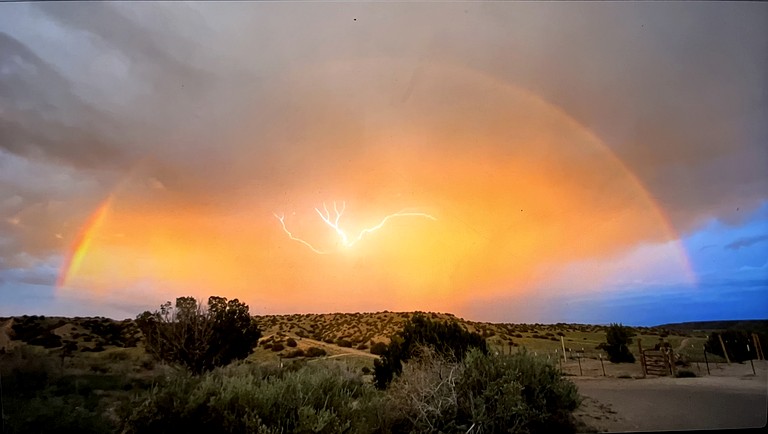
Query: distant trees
{"points": [[199, 338], [735, 342], [447, 339], [617, 340]]}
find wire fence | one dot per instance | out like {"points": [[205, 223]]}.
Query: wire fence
{"points": [[691, 362]]}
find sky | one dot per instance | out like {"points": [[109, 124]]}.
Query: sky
{"points": [[507, 162]]}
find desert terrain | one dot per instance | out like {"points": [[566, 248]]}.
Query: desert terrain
{"points": [[616, 396], [731, 397]]}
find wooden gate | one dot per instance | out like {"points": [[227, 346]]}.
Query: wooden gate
{"points": [[656, 362]]}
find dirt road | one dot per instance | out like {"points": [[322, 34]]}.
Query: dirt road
{"points": [[711, 402]]}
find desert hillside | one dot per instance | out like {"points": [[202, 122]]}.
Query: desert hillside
{"points": [[331, 334]]}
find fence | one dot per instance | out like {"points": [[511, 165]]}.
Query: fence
{"points": [[649, 361]]}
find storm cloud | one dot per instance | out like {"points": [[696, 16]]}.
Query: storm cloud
{"points": [[209, 105]]}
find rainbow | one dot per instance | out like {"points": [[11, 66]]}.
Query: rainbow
{"points": [[665, 221], [84, 241], [79, 249]]}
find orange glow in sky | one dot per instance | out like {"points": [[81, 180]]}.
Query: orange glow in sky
{"points": [[498, 190]]}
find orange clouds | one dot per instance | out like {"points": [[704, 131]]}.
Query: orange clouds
{"points": [[517, 188]]}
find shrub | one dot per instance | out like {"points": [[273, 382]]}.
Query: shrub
{"points": [[447, 338], [47, 340], [617, 340], [362, 347], [56, 414], [684, 373], [315, 352], [517, 393], [378, 348], [325, 398], [278, 347], [291, 342], [200, 339], [344, 343], [294, 353]]}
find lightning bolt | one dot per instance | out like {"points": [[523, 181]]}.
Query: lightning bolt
{"points": [[333, 223], [290, 235]]}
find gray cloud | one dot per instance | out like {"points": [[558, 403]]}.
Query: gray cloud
{"points": [[202, 97], [746, 242]]}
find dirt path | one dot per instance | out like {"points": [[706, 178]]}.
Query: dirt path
{"points": [[343, 351], [720, 401]]}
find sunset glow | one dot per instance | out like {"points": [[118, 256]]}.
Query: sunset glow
{"points": [[333, 223], [483, 161], [501, 217]]}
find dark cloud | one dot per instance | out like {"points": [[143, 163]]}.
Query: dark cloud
{"points": [[209, 101], [677, 91], [44, 118]]}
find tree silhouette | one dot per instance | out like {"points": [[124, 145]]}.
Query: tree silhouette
{"points": [[199, 338], [617, 340], [448, 339]]}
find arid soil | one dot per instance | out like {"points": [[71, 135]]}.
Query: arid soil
{"points": [[730, 397]]}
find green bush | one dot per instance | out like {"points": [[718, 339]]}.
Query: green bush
{"points": [[315, 352], [517, 393], [447, 338], [294, 353], [344, 343], [199, 338], [55, 414], [321, 398], [378, 348], [617, 340]]}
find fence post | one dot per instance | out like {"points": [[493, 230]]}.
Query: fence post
{"points": [[672, 367], [758, 346], [642, 355], [601, 363], [562, 341], [706, 361], [580, 372], [722, 344]]}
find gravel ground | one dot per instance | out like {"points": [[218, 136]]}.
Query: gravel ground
{"points": [[732, 397]]}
